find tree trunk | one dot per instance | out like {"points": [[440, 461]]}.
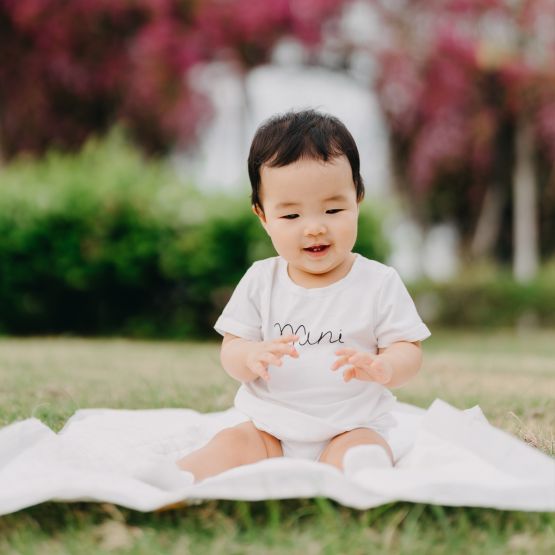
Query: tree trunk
{"points": [[525, 206], [488, 227]]}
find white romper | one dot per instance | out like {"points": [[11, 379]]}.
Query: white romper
{"points": [[304, 403]]}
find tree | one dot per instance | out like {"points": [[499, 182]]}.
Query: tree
{"points": [[468, 89], [72, 68]]}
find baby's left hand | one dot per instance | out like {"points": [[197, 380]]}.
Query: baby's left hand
{"points": [[366, 367]]}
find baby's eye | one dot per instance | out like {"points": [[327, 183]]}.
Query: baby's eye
{"points": [[334, 210], [290, 216]]}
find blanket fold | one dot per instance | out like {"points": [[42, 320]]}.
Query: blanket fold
{"points": [[443, 456]]}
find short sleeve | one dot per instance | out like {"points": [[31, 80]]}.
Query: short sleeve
{"points": [[241, 315], [396, 316]]}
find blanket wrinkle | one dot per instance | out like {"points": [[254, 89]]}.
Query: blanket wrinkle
{"points": [[443, 455]]}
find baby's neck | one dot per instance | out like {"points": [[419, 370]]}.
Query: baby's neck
{"points": [[313, 281]]}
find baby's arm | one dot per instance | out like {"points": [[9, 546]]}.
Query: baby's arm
{"points": [[392, 366], [405, 359], [248, 360]]}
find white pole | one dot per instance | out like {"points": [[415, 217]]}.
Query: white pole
{"points": [[525, 207]]}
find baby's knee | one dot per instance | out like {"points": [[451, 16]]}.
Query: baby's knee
{"points": [[340, 444], [243, 441]]}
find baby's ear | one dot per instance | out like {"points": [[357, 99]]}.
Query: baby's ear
{"points": [[257, 211], [261, 216]]}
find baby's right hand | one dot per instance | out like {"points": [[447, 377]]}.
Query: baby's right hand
{"points": [[265, 353]]}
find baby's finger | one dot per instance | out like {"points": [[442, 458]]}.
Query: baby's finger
{"points": [[354, 372], [340, 362], [349, 374], [281, 349], [260, 370], [361, 359], [271, 359], [286, 339], [345, 351]]}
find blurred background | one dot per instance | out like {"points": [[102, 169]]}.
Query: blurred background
{"points": [[125, 128]]}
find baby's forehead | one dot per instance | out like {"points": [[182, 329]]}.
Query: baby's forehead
{"points": [[291, 200], [308, 180], [307, 161]]}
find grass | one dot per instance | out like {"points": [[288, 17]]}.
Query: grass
{"points": [[511, 376]]}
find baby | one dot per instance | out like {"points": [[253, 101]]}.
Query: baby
{"points": [[318, 334]]}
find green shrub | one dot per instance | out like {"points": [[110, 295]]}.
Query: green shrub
{"points": [[489, 300], [104, 242]]}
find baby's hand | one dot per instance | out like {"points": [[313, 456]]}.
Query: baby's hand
{"points": [[366, 367], [265, 353]]}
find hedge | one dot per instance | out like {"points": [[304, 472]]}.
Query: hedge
{"points": [[492, 300], [105, 242]]}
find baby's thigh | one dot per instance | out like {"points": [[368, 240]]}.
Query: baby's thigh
{"points": [[340, 444], [271, 444]]}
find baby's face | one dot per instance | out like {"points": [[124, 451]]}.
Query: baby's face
{"points": [[306, 204]]}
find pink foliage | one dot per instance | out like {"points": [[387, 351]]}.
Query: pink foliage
{"points": [[226, 23], [401, 90], [70, 68], [448, 75], [474, 7], [250, 29], [441, 143], [447, 90]]}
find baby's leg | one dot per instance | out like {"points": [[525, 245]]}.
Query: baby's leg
{"points": [[231, 447], [335, 450]]}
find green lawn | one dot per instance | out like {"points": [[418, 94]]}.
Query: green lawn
{"points": [[511, 376]]}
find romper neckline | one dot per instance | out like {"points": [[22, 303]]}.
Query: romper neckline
{"points": [[317, 291]]}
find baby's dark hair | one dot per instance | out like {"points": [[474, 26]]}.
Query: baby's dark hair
{"points": [[285, 138]]}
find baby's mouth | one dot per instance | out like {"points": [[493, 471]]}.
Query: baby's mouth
{"points": [[317, 248]]}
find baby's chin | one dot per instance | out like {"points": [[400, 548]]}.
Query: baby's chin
{"points": [[321, 272]]}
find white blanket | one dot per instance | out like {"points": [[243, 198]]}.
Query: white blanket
{"points": [[443, 456]]}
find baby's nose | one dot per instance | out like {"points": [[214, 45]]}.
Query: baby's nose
{"points": [[315, 228]]}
